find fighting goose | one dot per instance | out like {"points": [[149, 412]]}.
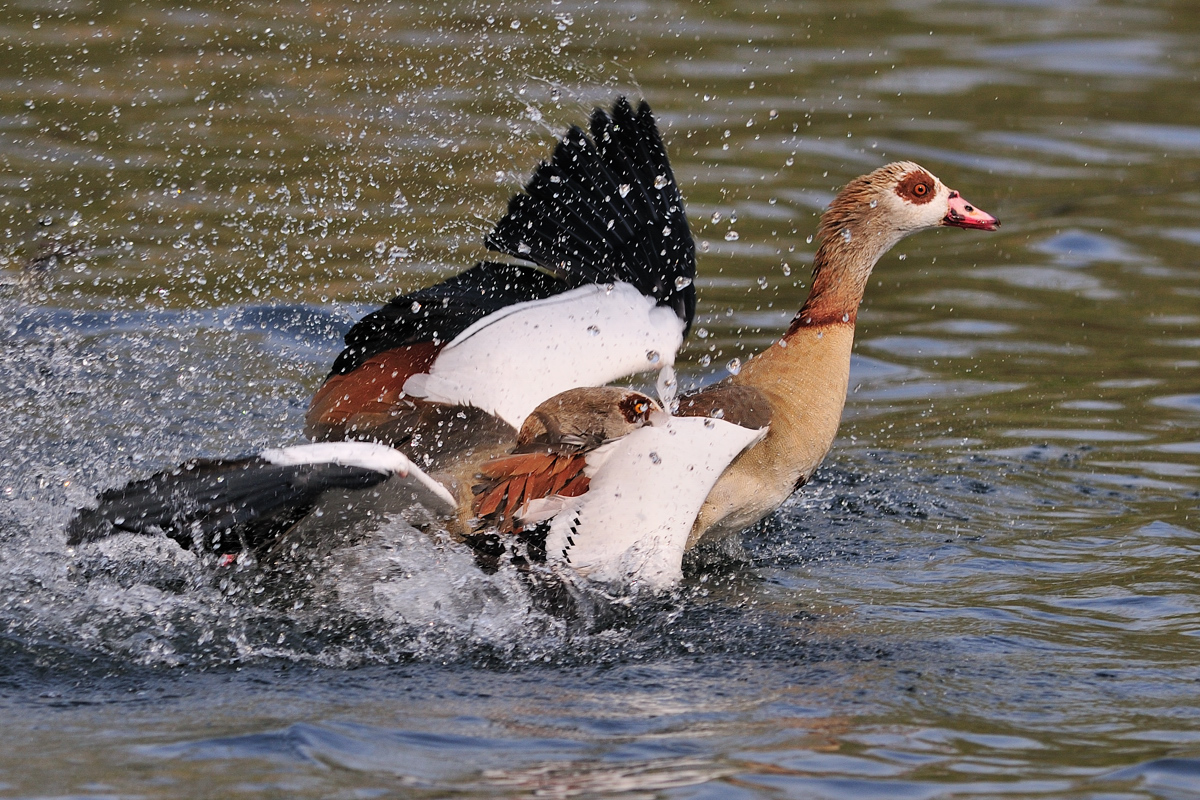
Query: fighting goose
{"points": [[604, 481], [799, 383], [450, 372], [670, 483]]}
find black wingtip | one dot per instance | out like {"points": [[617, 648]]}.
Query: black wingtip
{"points": [[221, 506], [605, 208]]}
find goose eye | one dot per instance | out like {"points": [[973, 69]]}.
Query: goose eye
{"points": [[921, 189]]}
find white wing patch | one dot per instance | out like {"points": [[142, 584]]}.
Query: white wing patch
{"points": [[632, 524], [376, 457], [510, 361]]}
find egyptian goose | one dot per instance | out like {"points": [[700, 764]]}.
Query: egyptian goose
{"points": [[450, 372], [734, 451], [799, 383], [524, 463]]}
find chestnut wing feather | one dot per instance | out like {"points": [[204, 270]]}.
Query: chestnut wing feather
{"points": [[510, 483]]}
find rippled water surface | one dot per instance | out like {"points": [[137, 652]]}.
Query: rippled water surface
{"points": [[988, 590]]}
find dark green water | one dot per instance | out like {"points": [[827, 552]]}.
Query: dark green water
{"points": [[988, 590]]}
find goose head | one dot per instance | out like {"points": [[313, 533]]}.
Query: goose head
{"points": [[896, 200], [588, 417], [866, 219]]}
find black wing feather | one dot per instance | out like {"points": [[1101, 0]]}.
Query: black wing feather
{"points": [[607, 208], [219, 504]]}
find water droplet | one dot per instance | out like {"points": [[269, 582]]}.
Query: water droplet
{"points": [[715, 218], [75, 219], [762, 282], [773, 114], [654, 458], [702, 333], [718, 413], [731, 236], [708, 423], [666, 230], [524, 249], [902, 256], [874, 203], [652, 356], [380, 248], [846, 235], [808, 239], [704, 360], [416, 307], [593, 330], [682, 283], [790, 161], [734, 366], [661, 182], [786, 269], [515, 24], [623, 189], [845, 317]]}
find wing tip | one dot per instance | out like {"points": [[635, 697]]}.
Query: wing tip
{"points": [[566, 220]]}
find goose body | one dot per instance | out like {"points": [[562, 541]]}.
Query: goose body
{"points": [[803, 377], [481, 398]]}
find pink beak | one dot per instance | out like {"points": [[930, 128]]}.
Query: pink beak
{"points": [[962, 214]]}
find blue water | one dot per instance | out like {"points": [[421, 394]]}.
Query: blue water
{"points": [[988, 589]]}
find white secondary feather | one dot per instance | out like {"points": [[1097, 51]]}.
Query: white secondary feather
{"points": [[510, 361], [377, 457], [632, 524]]}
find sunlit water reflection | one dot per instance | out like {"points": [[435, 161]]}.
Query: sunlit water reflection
{"points": [[989, 588]]}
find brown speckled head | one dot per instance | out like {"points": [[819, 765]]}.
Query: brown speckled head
{"points": [[586, 417]]}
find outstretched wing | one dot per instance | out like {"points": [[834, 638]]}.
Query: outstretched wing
{"points": [[230, 505], [611, 295]]}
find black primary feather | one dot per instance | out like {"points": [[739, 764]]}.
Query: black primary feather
{"points": [[604, 209], [607, 208], [221, 506]]}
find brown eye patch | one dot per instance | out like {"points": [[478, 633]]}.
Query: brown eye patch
{"points": [[916, 187], [634, 408]]}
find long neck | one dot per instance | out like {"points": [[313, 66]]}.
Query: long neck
{"points": [[805, 374], [840, 271]]}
